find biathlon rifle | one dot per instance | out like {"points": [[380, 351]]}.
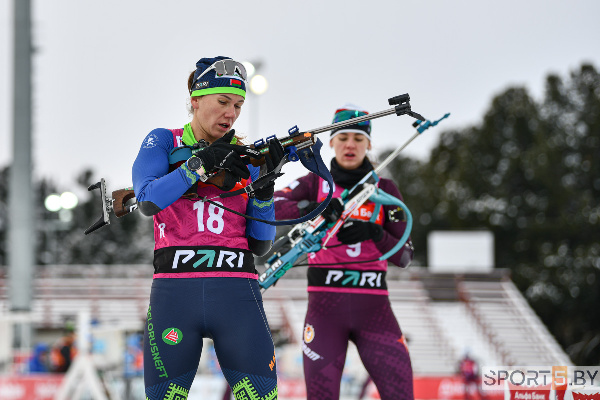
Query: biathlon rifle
{"points": [[307, 237], [123, 201]]}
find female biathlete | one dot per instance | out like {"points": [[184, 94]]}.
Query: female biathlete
{"points": [[347, 297], [205, 284]]}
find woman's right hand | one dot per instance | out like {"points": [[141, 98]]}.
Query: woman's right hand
{"points": [[331, 213], [222, 155], [354, 231]]}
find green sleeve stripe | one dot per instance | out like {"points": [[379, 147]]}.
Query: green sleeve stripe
{"points": [[190, 174], [262, 204]]}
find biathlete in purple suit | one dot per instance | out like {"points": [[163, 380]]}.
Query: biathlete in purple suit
{"points": [[205, 283], [347, 297]]}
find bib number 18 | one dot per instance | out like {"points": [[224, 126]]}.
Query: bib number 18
{"points": [[214, 222]]}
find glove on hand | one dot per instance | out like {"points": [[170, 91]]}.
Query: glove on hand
{"points": [[331, 213], [272, 160], [334, 210], [223, 155], [354, 231]]}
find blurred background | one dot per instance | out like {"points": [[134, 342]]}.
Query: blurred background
{"points": [[517, 165]]}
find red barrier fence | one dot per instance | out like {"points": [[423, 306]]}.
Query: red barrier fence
{"points": [[34, 386], [45, 386]]}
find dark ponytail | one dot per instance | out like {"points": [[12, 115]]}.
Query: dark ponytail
{"points": [[191, 81]]}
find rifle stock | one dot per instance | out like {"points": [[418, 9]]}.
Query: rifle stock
{"points": [[124, 201]]}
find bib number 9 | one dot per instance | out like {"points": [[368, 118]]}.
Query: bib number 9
{"points": [[353, 250]]}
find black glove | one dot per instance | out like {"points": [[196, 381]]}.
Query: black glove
{"points": [[272, 160], [222, 155], [354, 231], [332, 212]]}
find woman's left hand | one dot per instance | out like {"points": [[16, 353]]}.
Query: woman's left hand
{"points": [[272, 160], [354, 231]]}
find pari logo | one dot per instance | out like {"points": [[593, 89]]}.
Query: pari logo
{"points": [[535, 383], [231, 259], [354, 278]]}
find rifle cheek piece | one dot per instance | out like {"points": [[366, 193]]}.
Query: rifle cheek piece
{"points": [[402, 106], [401, 99]]}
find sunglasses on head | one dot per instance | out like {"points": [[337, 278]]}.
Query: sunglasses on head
{"points": [[344, 115], [226, 68]]}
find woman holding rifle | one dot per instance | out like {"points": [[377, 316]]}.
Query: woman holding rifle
{"points": [[205, 283], [347, 294]]}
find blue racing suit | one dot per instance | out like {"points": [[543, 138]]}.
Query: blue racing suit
{"points": [[205, 283]]}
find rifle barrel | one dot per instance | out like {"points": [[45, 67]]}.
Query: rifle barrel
{"points": [[353, 121]]}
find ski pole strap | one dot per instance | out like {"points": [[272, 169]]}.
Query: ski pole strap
{"points": [[312, 161], [311, 158]]}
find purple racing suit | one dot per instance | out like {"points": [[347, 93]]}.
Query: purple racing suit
{"points": [[349, 300]]}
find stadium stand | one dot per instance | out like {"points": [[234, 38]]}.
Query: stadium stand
{"points": [[442, 315]]}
